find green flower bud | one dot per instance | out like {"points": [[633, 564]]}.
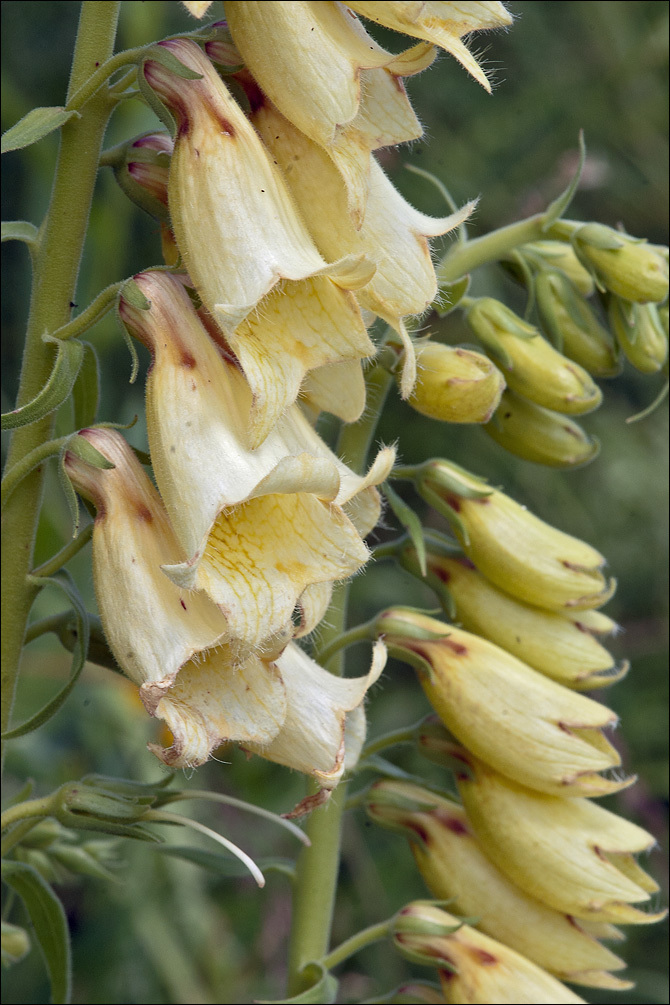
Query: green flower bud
{"points": [[15, 943], [531, 365], [561, 256], [540, 435], [630, 268], [572, 326], [639, 332], [455, 385]]}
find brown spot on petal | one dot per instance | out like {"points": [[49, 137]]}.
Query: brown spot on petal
{"points": [[456, 647], [144, 513], [450, 823], [187, 359], [483, 958], [182, 603]]}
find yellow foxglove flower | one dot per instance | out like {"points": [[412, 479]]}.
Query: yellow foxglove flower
{"points": [[258, 527], [324, 730], [531, 365], [283, 309], [540, 435], [321, 69], [160, 633], [456, 869], [564, 649], [441, 23], [455, 385], [571, 854], [473, 967], [394, 235], [516, 550], [572, 325], [515, 719]]}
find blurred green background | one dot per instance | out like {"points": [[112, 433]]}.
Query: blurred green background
{"points": [[168, 932]]}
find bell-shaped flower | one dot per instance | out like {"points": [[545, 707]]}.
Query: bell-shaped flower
{"points": [[321, 69], [566, 650], [531, 365], [473, 968], [515, 719], [571, 854], [441, 23], [455, 384], [516, 550], [626, 266], [283, 308], [456, 870], [258, 527]]}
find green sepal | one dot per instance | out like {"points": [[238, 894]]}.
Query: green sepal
{"points": [[80, 862], [154, 102], [658, 400], [56, 390], [450, 295], [34, 126], [86, 390], [557, 208], [444, 509], [49, 924], [133, 295], [166, 58], [597, 235], [98, 650], [322, 990], [82, 448], [410, 521], [20, 230], [128, 787], [63, 580]]}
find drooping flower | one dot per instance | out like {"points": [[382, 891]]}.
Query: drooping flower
{"points": [[454, 384], [262, 530], [539, 434], [556, 645], [571, 854], [473, 968], [513, 718], [516, 550], [174, 644], [283, 308], [456, 869]]}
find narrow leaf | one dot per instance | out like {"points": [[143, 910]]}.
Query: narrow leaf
{"points": [[19, 230], [39, 122], [86, 390], [410, 521], [224, 865], [557, 208], [49, 922], [56, 390], [64, 582], [323, 990]]}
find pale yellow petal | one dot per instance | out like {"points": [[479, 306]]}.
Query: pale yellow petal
{"points": [[338, 388], [198, 8]]}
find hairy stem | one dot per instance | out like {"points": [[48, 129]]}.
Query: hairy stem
{"points": [[54, 281]]}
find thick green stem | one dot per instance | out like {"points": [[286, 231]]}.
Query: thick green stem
{"points": [[54, 282], [466, 256]]}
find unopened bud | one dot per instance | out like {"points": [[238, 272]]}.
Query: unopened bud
{"points": [[530, 364], [639, 332], [572, 325], [141, 168], [630, 268], [539, 434], [455, 385], [561, 256]]}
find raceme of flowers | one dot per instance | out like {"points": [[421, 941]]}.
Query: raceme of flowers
{"points": [[283, 240]]}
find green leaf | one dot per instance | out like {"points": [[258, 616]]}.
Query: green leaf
{"points": [[19, 230], [38, 123], [49, 922], [63, 580], [56, 390], [323, 989], [450, 295], [410, 521], [86, 390], [223, 865], [557, 208]]}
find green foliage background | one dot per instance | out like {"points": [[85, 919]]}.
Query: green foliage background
{"points": [[168, 932]]}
